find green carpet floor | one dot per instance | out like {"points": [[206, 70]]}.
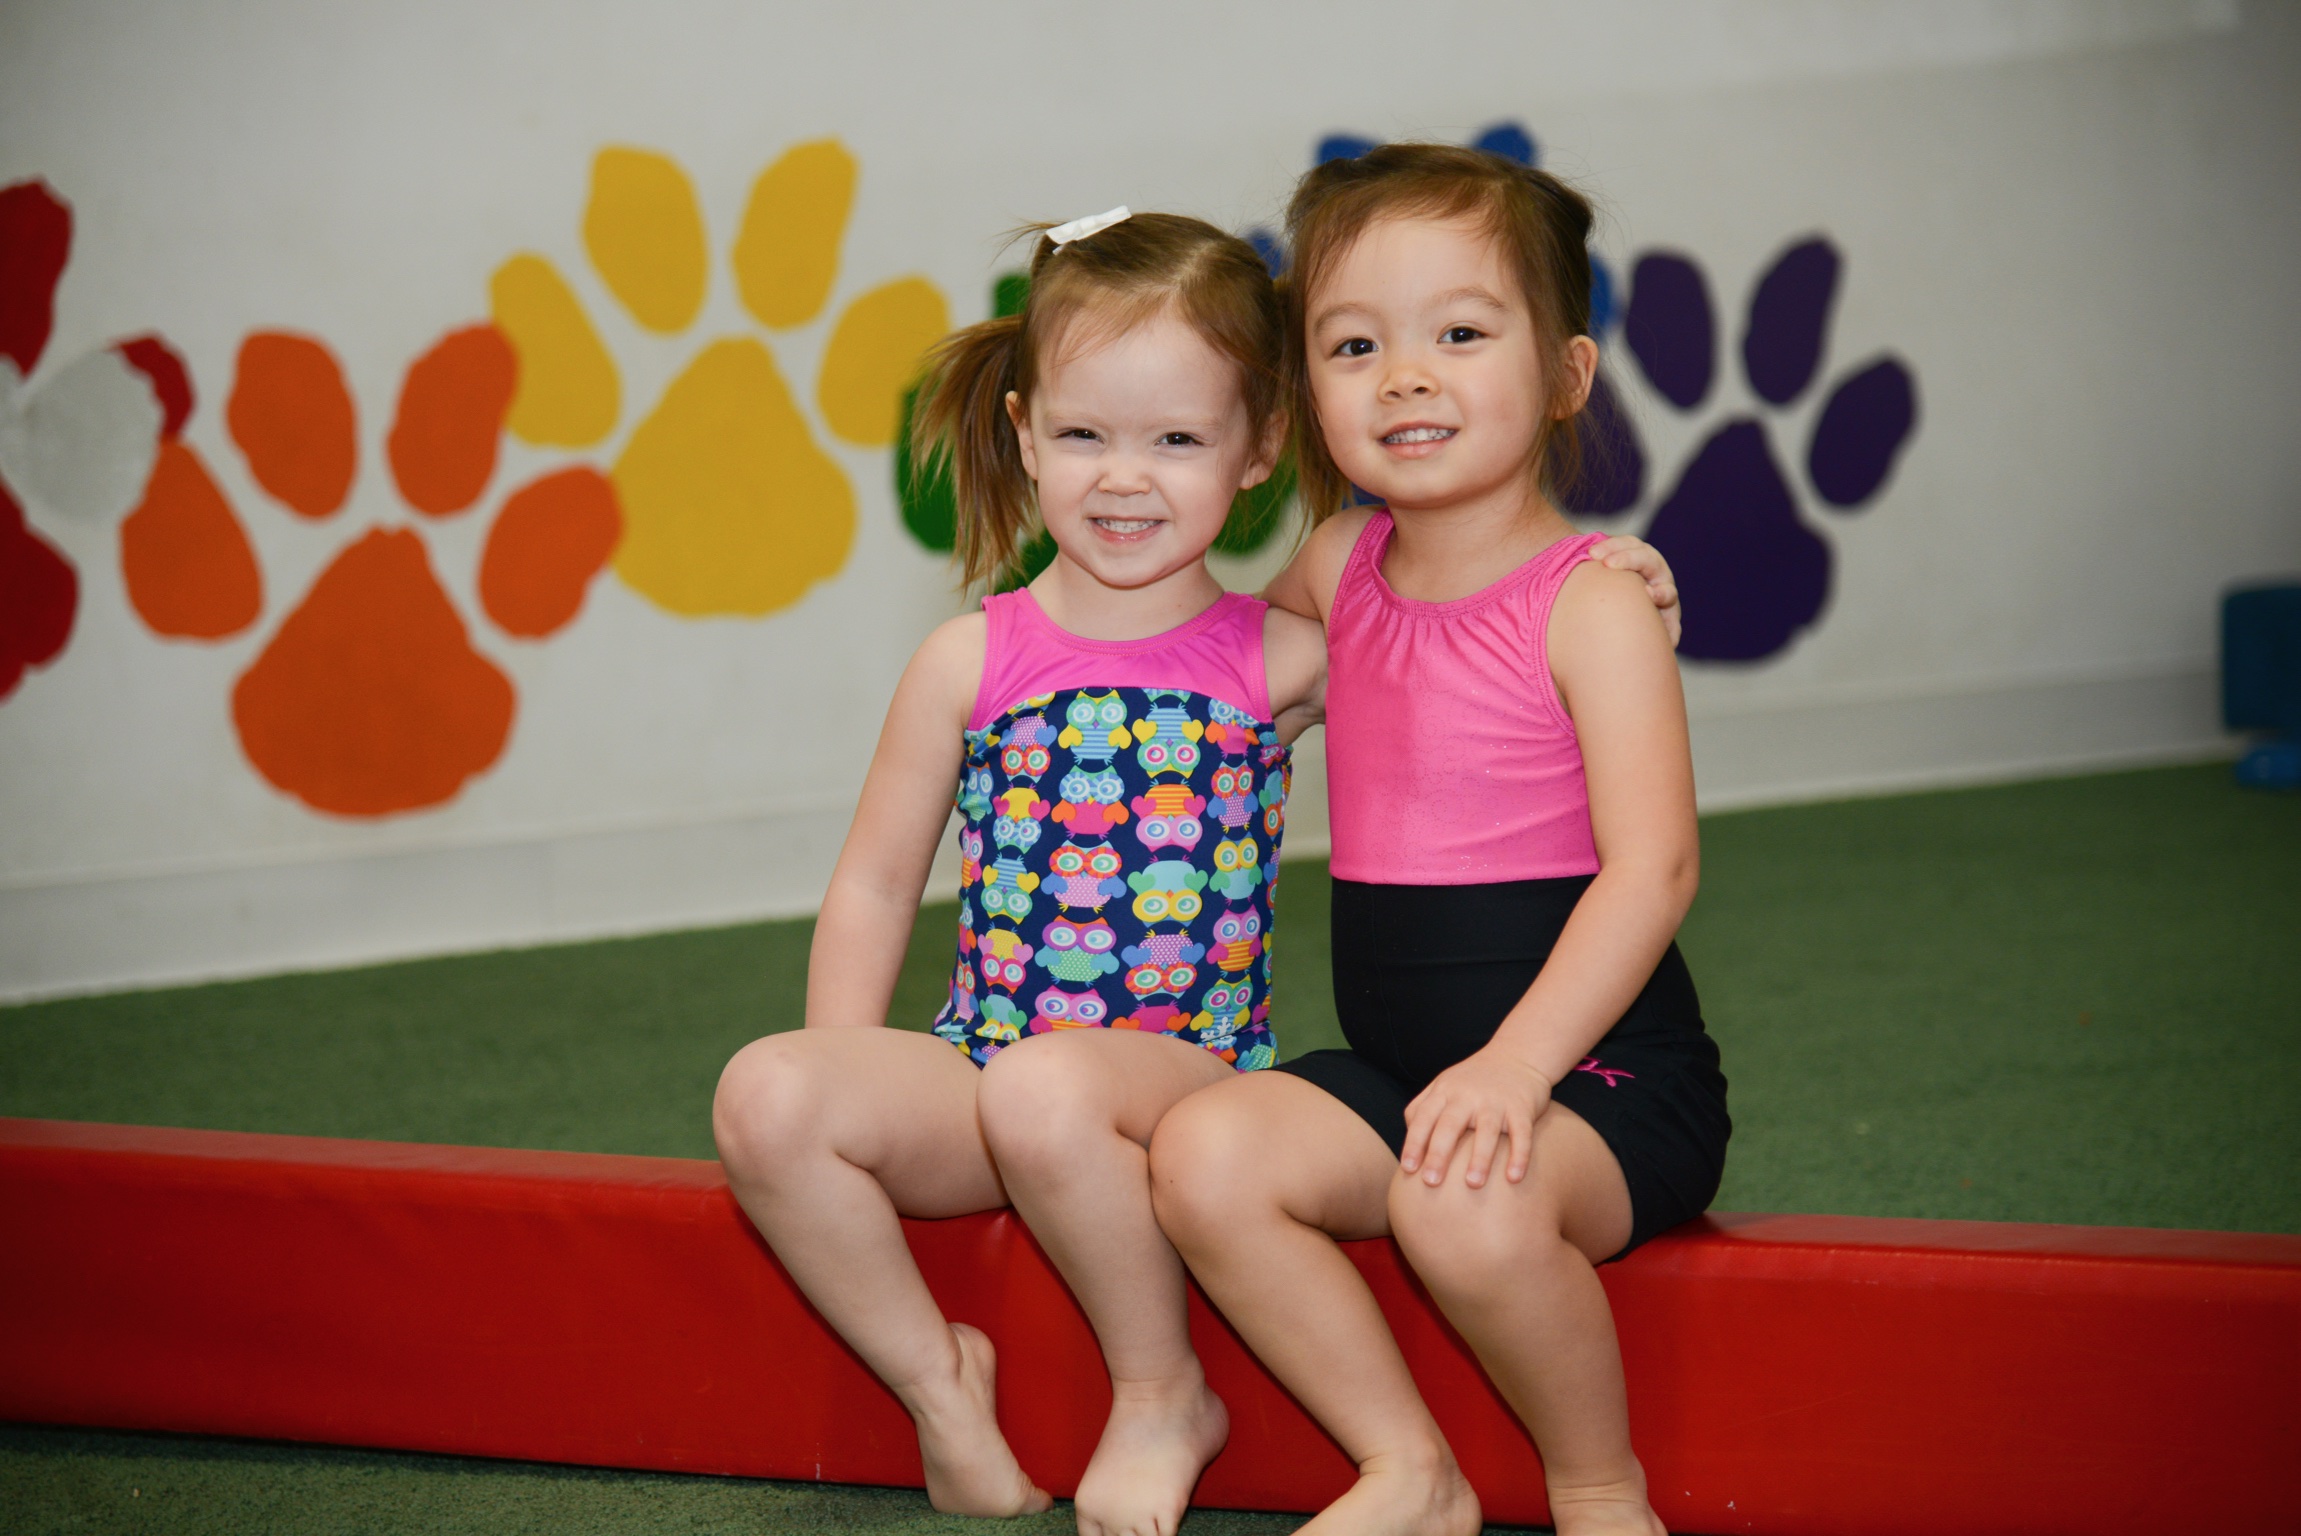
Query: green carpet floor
{"points": [[2077, 1000], [55, 1481]]}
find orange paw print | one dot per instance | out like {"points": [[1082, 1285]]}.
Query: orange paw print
{"points": [[369, 698]]}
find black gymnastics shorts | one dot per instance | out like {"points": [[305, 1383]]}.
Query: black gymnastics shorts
{"points": [[1423, 976]]}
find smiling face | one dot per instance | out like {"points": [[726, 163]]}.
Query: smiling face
{"points": [[1138, 441], [1427, 367]]}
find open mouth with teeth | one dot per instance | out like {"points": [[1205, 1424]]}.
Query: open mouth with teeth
{"points": [[1125, 526], [1409, 436]]}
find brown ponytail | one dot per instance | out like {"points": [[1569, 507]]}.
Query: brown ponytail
{"points": [[1110, 281], [963, 418]]}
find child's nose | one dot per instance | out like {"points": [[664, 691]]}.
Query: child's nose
{"points": [[1408, 380], [1125, 476]]}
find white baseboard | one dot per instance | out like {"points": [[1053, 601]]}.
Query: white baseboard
{"points": [[114, 932], [106, 934], [1941, 739]]}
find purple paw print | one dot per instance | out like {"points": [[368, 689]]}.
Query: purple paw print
{"points": [[1754, 573]]}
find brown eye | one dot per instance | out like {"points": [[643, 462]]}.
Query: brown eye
{"points": [[1460, 334], [1357, 346]]}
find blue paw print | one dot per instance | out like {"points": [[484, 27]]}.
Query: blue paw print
{"points": [[1752, 570]]}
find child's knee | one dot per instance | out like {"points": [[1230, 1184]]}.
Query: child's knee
{"points": [[767, 1107], [1036, 1101], [1195, 1157], [1464, 1241]]}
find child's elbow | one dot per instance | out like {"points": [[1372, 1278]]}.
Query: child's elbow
{"points": [[1671, 877], [1685, 881]]}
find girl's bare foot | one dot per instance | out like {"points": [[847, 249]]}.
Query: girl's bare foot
{"points": [[1159, 1438], [1609, 1509], [970, 1470], [1422, 1497]]}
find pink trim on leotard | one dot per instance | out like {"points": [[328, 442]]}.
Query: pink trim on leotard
{"points": [[1217, 655], [1450, 758]]}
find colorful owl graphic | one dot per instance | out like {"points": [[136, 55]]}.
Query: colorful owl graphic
{"points": [[1227, 1002], [1002, 1020], [1027, 750], [970, 854], [1006, 959], [974, 797], [1090, 801], [1080, 876], [1077, 952], [1237, 868], [1168, 891], [1169, 736], [1233, 799], [1237, 938], [1020, 812], [1094, 728], [1162, 964], [1069, 1010], [1007, 888], [1167, 817]]}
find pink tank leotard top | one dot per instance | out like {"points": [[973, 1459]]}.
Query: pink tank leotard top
{"points": [[1450, 758], [1218, 654]]}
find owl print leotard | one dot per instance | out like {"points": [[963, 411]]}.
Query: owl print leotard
{"points": [[1121, 805]]}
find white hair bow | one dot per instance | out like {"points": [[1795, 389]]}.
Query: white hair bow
{"points": [[1093, 223]]}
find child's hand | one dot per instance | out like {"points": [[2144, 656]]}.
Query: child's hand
{"points": [[1624, 553], [1488, 1097]]}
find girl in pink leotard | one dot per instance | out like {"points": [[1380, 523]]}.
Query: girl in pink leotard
{"points": [[1514, 847]]}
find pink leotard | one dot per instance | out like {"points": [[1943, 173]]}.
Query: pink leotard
{"points": [[1451, 759], [1217, 654]]}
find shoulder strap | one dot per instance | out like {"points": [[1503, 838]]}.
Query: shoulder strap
{"points": [[1365, 552]]}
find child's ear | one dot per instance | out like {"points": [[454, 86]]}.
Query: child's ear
{"points": [[1266, 453], [1017, 414], [1581, 370]]}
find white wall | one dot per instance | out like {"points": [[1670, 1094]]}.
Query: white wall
{"points": [[2074, 222]]}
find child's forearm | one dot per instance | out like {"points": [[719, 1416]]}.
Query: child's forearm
{"points": [[1294, 597], [1601, 962], [860, 939]]}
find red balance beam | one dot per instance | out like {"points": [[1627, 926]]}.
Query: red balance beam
{"points": [[1787, 1373]]}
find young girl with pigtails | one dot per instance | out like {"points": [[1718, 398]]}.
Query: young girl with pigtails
{"points": [[1514, 848], [1118, 733]]}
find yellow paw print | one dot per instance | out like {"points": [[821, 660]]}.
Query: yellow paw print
{"points": [[730, 505]]}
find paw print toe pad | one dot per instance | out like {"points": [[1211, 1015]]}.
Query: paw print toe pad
{"points": [[1789, 320], [1671, 327], [1860, 431]]}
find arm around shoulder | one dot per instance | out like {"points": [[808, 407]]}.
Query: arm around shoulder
{"points": [[1308, 583], [1294, 663]]}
